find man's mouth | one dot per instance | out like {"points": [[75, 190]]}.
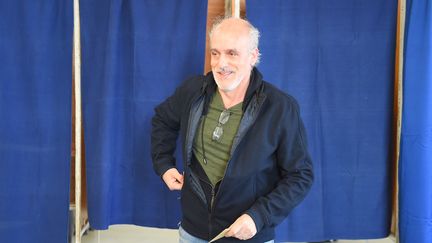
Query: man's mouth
{"points": [[225, 74]]}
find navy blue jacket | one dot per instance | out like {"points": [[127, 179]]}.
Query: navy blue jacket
{"points": [[269, 171]]}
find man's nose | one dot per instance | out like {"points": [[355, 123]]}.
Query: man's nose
{"points": [[222, 61]]}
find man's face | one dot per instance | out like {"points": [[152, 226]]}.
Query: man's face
{"points": [[231, 56]]}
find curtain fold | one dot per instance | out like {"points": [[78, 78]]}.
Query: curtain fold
{"points": [[415, 166], [134, 55], [337, 59], [35, 124]]}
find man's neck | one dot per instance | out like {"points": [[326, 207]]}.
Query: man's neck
{"points": [[232, 98]]}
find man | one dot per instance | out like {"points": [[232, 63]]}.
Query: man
{"points": [[246, 164]]}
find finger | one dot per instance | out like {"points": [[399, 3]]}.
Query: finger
{"points": [[175, 175], [169, 177], [176, 186], [233, 231], [229, 233], [243, 228], [169, 174], [178, 177], [172, 187]]}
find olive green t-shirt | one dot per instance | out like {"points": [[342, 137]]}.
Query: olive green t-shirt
{"points": [[216, 152]]}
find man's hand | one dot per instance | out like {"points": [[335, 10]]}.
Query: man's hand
{"points": [[173, 179], [243, 228]]}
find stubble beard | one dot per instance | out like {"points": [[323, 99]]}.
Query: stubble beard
{"points": [[231, 87]]}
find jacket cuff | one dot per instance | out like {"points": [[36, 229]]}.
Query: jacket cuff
{"points": [[162, 167], [257, 218]]}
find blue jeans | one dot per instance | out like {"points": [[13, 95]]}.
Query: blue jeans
{"points": [[185, 237]]}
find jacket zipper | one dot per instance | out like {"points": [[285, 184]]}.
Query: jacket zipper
{"points": [[213, 198], [211, 206], [214, 195], [211, 211]]}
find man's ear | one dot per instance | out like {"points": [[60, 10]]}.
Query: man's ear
{"points": [[254, 54]]}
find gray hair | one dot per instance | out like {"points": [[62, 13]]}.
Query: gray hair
{"points": [[254, 34]]}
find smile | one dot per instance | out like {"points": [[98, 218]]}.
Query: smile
{"points": [[225, 74]]}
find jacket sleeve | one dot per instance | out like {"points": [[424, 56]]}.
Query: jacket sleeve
{"points": [[164, 133], [295, 169]]}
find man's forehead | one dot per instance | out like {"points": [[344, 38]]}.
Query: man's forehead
{"points": [[223, 44], [229, 37]]}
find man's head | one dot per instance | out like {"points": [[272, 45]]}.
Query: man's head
{"points": [[234, 52]]}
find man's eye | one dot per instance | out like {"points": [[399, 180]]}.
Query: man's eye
{"points": [[213, 53], [233, 53]]}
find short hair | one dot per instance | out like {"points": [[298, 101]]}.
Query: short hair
{"points": [[254, 33]]}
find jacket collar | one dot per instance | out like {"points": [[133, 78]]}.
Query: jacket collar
{"points": [[255, 87]]}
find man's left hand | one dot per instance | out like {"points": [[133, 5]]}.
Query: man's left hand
{"points": [[243, 228]]}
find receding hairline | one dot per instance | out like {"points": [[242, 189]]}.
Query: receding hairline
{"points": [[219, 21]]}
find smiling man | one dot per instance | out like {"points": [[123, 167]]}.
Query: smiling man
{"points": [[246, 164]]}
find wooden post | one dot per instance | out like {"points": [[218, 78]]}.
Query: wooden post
{"points": [[397, 111], [77, 76], [235, 8]]}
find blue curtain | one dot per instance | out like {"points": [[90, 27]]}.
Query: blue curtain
{"points": [[135, 53], [415, 166], [337, 58], [35, 123]]}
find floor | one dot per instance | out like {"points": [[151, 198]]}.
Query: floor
{"points": [[136, 234]]}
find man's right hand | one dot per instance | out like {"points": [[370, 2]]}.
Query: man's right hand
{"points": [[173, 179]]}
